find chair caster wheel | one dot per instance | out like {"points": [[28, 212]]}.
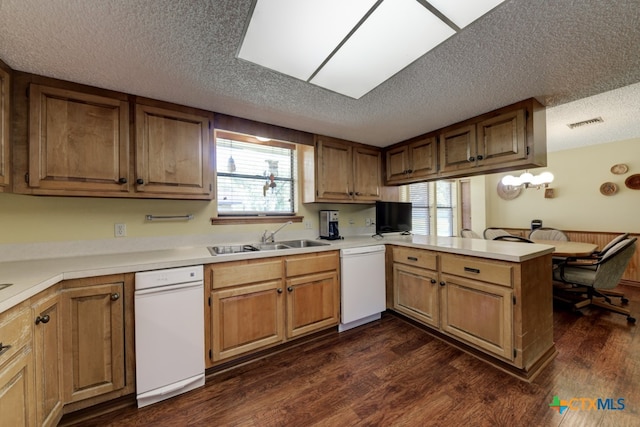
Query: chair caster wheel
{"points": [[624, 301], [631, 319]]}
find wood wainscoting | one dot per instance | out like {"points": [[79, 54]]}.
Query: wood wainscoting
{"points": [[631, 275]]}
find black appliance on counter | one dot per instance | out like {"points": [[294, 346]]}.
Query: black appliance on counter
{"points": [[329, 225]]}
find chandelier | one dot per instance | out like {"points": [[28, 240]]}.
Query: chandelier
{"points": [[528, 180]]}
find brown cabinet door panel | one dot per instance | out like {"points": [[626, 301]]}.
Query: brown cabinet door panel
{"points": [[415, 293], [458, 149], [397, 164], [5, 159], [312, 303], [334, 171], [367, 173], [502, 139]]}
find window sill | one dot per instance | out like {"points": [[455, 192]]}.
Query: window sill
{"points": [[254, 219]]}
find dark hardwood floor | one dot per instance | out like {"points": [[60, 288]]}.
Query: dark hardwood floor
{"points": [[389, 373]]}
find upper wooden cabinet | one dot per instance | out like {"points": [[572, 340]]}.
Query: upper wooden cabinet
{"points": [[172, 152], [343, 172], [510, 138], [413, 161], [78, 142], [81, 142], [5, 153]]}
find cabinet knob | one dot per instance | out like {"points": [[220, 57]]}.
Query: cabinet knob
{"points": [[433, 281], [4, 348], [42, 319], [122, 180], [139, 181], [115, 296], [480, 157], [442, 283], [471, 159], [409, 170], [279, 290], [290, 289]]}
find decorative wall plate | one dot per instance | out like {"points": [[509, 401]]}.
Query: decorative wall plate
{"points": [[633, 182], [507, 192], [619, 169], [608, 188]]}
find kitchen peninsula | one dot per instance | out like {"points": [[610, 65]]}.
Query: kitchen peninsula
{"points": [[492, 299]]}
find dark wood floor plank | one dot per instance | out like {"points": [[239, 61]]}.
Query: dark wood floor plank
{"points": [[391, 373]]}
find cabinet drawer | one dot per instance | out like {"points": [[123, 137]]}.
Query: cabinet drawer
{"points": [[245, 272], [417, 257], [496, 272], [15, 332], [311, 263]]}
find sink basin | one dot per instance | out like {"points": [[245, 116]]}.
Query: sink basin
{"points": [[289, 244], [303, 243]]}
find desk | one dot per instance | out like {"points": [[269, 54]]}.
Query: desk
{"points": [[567, 249]]}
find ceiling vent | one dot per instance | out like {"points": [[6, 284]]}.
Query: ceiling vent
{"points": [[585, 123]]}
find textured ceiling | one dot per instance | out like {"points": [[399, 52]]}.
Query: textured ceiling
{"points": [[184, 52]]}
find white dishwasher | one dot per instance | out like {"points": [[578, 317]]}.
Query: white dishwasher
{"points": [[362, 285], [169, 326]]}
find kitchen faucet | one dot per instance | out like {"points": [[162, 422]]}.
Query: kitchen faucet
{"points": [[270, 238]]}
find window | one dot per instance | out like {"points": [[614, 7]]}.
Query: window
{"points": [[254, 178], [433, 206]]}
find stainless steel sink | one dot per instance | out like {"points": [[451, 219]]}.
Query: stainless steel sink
{"points": [[303, 243], [253, 247]]}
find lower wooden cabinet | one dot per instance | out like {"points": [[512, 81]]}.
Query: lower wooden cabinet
{"points": [[17, 394], [415, 293], [47, 319], [255, 304], [94, 337]]}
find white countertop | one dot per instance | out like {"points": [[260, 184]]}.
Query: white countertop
{"points": [[30, 277]]}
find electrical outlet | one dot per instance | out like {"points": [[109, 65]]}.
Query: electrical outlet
{"points": [[350, 221], [367, 222], [120, 230], [308, 225]]}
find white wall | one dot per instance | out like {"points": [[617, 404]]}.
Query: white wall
{"points": [[578, 204]]}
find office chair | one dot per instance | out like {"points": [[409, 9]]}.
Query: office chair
{"points": [[512, 238], [611, 244], [491, 233], [592, 286], [548, 233], [468, 233]]}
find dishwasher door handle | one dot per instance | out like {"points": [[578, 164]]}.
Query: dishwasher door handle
{"points": [[162, 289]]}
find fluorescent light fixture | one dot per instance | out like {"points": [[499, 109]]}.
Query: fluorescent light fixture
{"points": [[351, 47]]}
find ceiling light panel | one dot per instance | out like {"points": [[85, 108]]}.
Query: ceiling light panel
{"points": [[397, 33], [463, 13], [294, 37]]}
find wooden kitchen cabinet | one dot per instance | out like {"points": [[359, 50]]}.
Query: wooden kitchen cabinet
{"points": [[412, 161], [17, 393], [93, 337], [78, 143], [313, 292], [343, 172], [173, 153], [48, 354], [5, 117], [415, 284]]}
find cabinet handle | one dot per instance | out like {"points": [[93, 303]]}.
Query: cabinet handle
{"points": [[290, 289], [433, 281], [279, 290], [42, 319], [358, 193], [471, 159], [4, 348], [115, 296], [412, 258], [122, 181], [140, 181], [409, 170], [472, 270], [480, 157], [442, 283]]}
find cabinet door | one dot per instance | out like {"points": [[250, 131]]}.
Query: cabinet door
{"points": [[501, 139], [48, 360], [313, 303], [246, 318], [415, 293], [93, 340], [77, 142], [423, 158], [17, 406], [367, 169], [479, 313], [397, 163], [173, 153], [458, 149], [5, 171], [334, 171]]}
